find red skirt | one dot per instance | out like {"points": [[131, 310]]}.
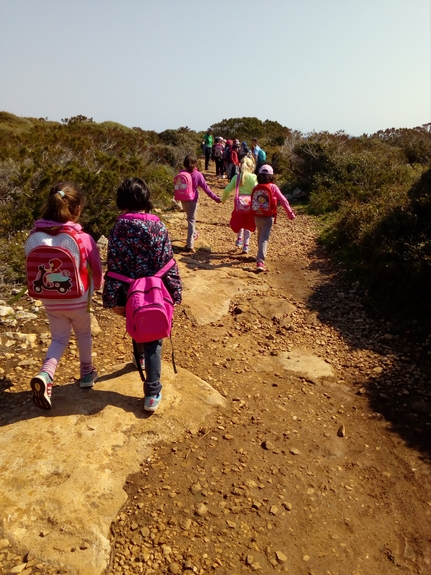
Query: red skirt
{"points": [[240, 220]]}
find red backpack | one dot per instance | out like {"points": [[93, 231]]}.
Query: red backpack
{"points": [[183, 187], [263, 201], [56, 264]]}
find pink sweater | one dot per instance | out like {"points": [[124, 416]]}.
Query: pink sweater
{"points": [[199, 182], [283, 201]]}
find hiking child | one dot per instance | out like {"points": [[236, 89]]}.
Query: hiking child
{"points": [[190, 206], [226, 158], [233, 160], [58, 255], [139, 246], [218, 156], [244, 151], [264, 200], [242, 220], [259, 155], [208, 146]]}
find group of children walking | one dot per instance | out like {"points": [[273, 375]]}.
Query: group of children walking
{"points": [[255, 204], [227, 154], [64, 267]]}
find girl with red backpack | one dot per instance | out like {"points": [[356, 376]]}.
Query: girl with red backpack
{"points": [[264, 201], [58, 255]]}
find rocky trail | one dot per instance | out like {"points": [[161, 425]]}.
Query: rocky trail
{"points": [[310, 454]]}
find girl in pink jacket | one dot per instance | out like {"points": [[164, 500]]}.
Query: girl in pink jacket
{"points": [[52, 279], [264, 224]]}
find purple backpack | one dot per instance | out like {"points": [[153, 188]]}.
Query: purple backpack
{"points": [[149, 305]]}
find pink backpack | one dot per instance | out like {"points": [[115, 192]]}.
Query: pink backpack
{"points": [[242, 201], [56, 265], [149, 306], [218, 151], [183, 187]]}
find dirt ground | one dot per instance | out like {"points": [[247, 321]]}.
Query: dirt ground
{"points": [[303, 475]]}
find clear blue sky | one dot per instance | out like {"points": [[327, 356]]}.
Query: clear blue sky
{"points": [[352, 65]]}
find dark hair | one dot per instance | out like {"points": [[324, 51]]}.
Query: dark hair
{"points": [[265, 178], [64, 202], [190, 162], [134, 195]]}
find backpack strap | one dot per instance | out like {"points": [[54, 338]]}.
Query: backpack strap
{"points": [[165, 268], [237, 188], [128, 280], [120, 277]]}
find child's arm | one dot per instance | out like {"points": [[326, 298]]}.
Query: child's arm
{"points": [[283, 201], [228, 189], [204, 186], [95, 263]]}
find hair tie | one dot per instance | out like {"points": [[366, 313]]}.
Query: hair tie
{"points": [[61, 193]]}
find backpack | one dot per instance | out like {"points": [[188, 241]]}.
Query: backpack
{"points": [[226, 154], [56, 264], [263, 201], [218, 152], [183, 187], [261, 156], [149, 306], [242, 201]]}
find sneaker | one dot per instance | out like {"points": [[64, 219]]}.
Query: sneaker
{"points": [[141, 361], [42, 387], [89, 379], [190, 250], [152, 402], [260, 267], [245, 249], [238, 243]]}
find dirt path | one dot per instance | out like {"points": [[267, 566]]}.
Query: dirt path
{"points": [[305, 472]]}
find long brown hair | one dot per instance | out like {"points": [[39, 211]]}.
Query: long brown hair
{"points": [[64, 202]]}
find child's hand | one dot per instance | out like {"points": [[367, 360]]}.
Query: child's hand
{"points": [[119, 310]]}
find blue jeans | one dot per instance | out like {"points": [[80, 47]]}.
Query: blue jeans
{"points": [[152, 352], [263, 227]]}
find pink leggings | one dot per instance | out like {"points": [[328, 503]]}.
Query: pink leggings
{"points": [[61, 323]]}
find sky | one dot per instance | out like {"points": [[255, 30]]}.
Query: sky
{"points": [[311, 65]]}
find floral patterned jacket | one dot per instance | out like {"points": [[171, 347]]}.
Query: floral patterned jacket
{"points": [[139, 246]]}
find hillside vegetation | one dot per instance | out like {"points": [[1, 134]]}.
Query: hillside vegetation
{"points": [[371, 193]]}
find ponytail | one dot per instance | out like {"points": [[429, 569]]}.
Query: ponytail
{"points": [[63, 203]]}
